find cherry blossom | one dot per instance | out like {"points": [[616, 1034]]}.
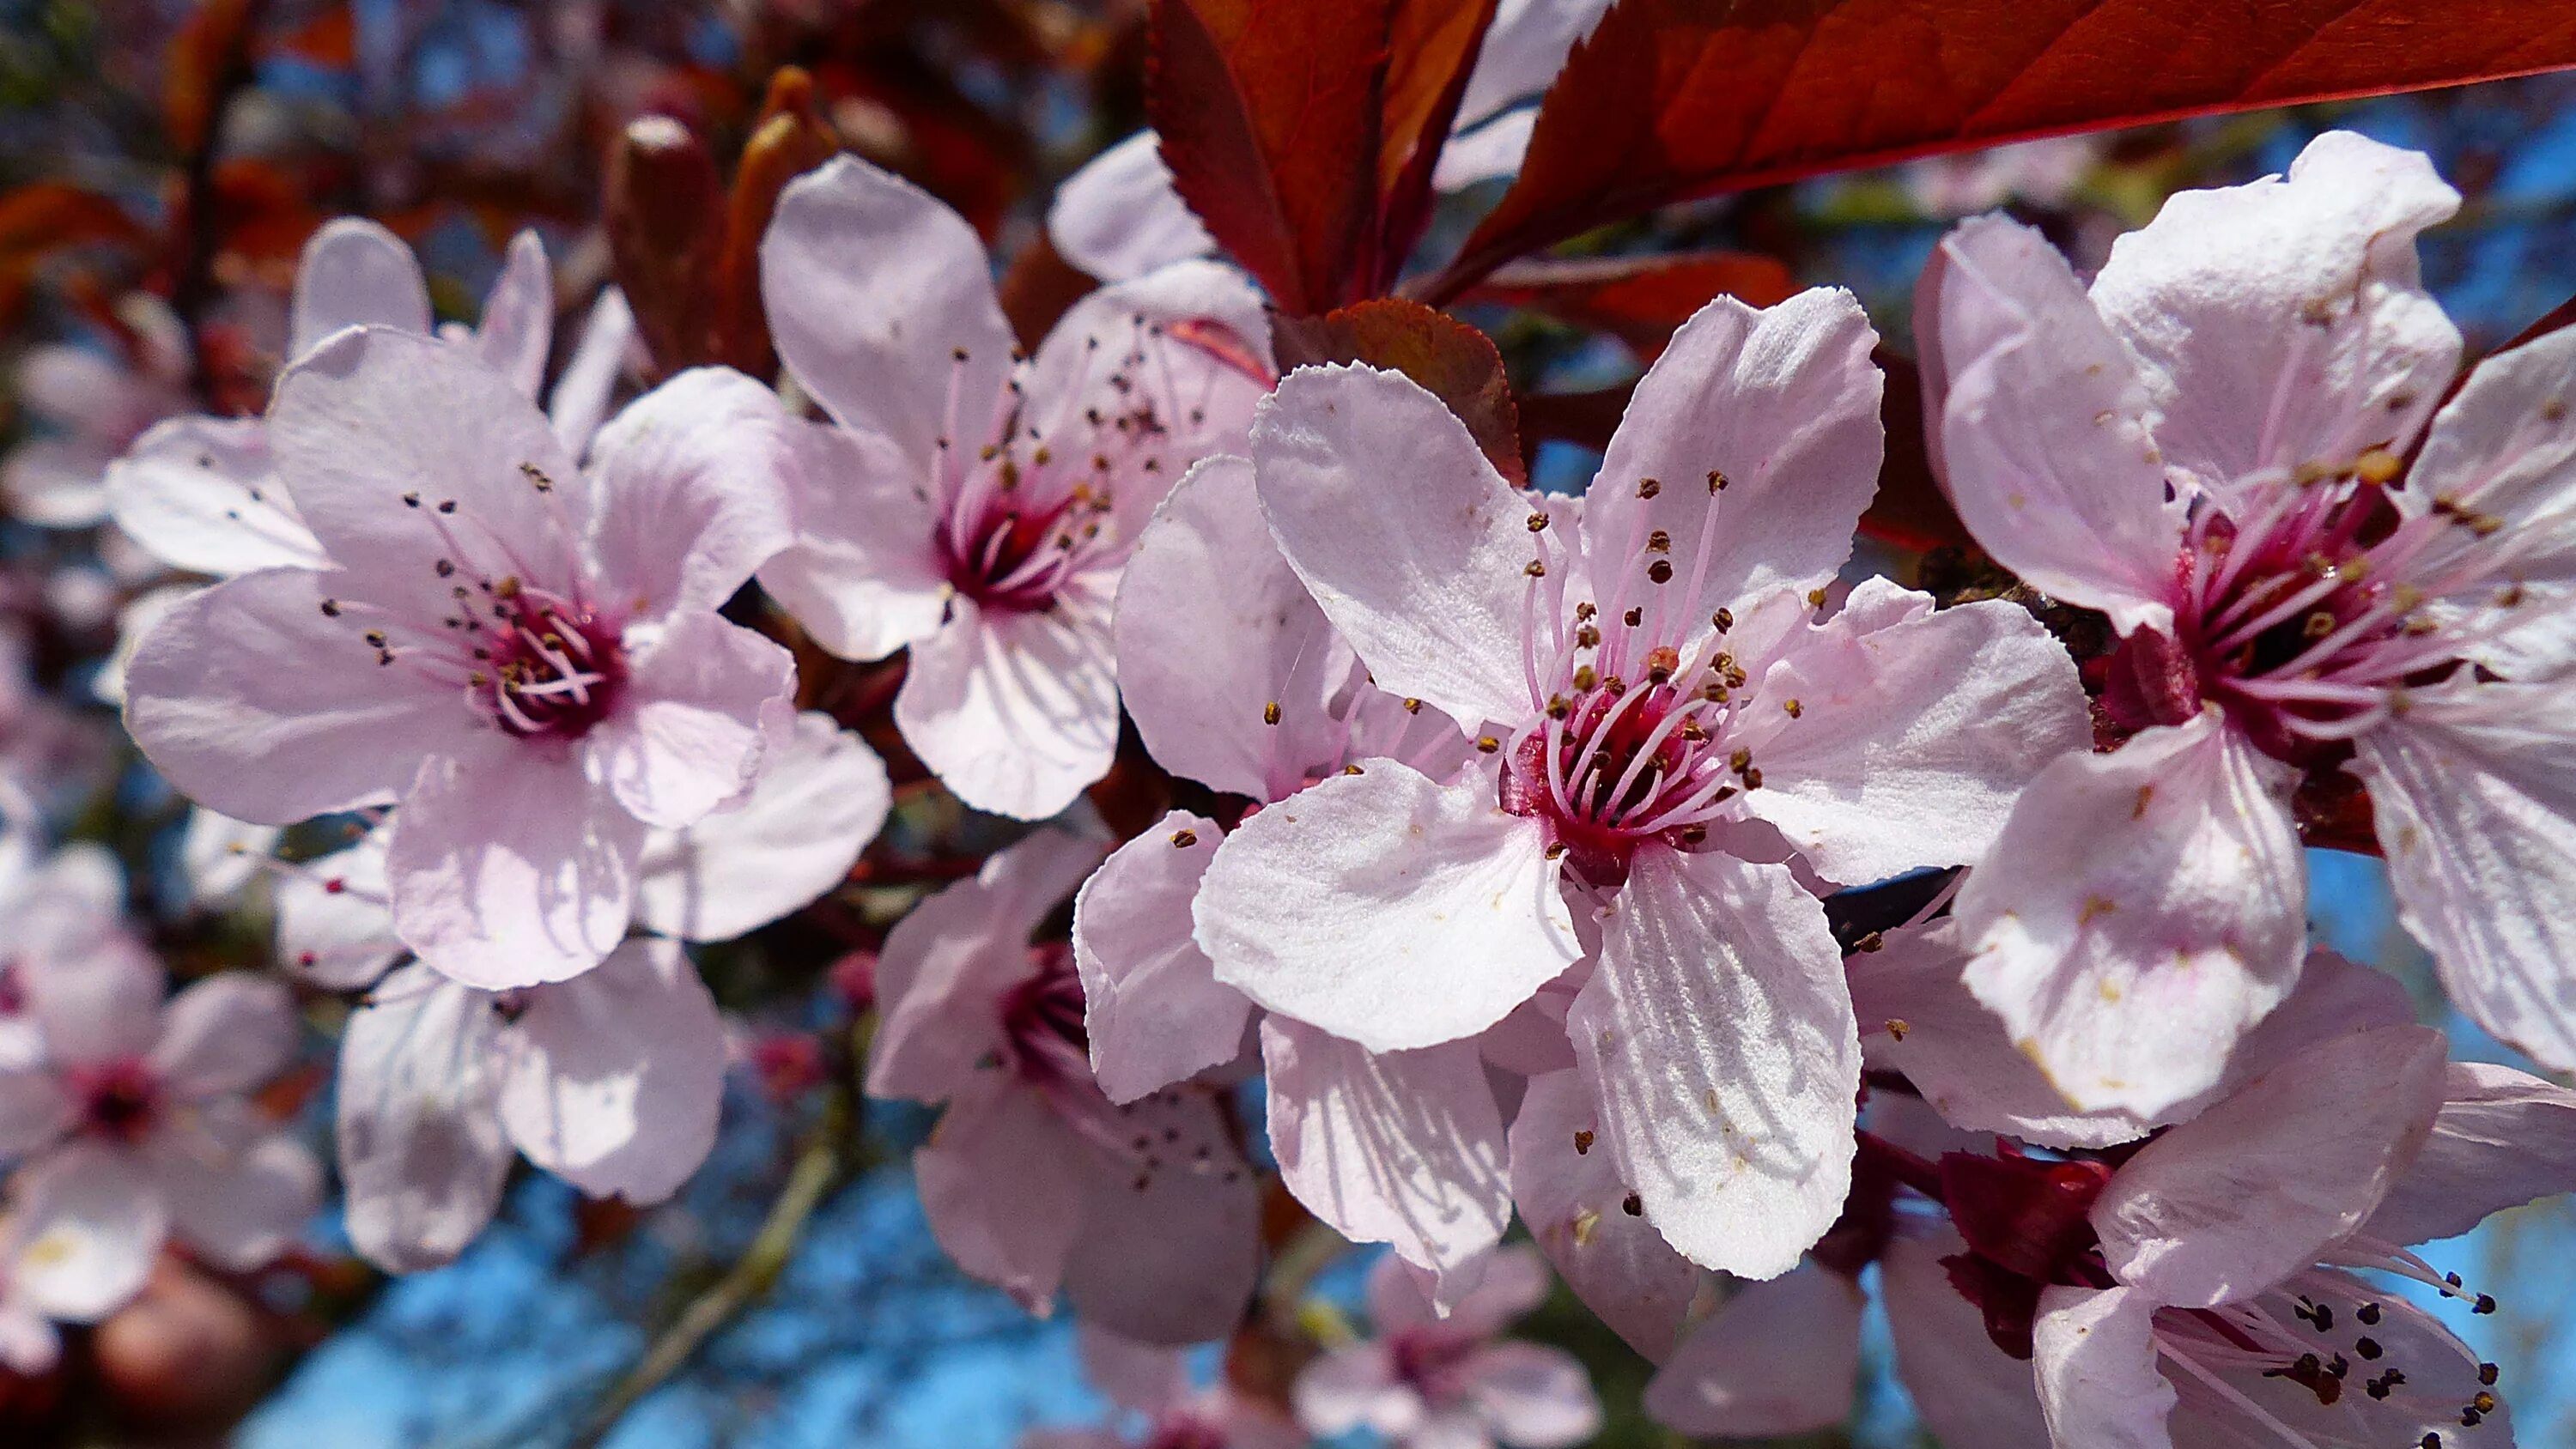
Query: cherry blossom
{"points": [[972, 509], [92, 406], [1144, 1213], [611, 1081], [202, 493], [2210, 447], [1152, 1383], [819, 799], [1237, 680], [1119, 217], [1434, 1380], [524, 654], [1675, 740], [130, 1121], [61, 921]]}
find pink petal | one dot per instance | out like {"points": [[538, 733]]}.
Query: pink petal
{"points": [[1213, 630], [519, 316], [2283, 323], [2253, 1189], [1002, 1183], [820, 797], [422, 1155], [703, 697], [90, 1220], [56, 482], [1015, 712], [693, 482], [873, 287], [2476, 808], [1118, 217], [2501, 1139], [2044, 429], [862, 576], [1153, 1009], [1570, 1194], [241, 1195], [1509, 1286], [948, 962], [2503, 447], [1967, 1391], [1354, 1387], [508, 870], [339, 939], [201, 494], [1389, 1147], [354, 273], [1717, 1038], [2096, 1366], [1911, 740], [590, 379], [34, 1109], [1781, 1357], [1783, 403], [229, 1032], [2142, 911], [1170, 1244], [96, 993], [1426, 580], [1386, 909], [1533, 1396], [612, 1081], [1145, 1377], [209, 704], [369, 419]]}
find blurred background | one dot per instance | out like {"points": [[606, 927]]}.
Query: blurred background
{"points": [[161, 162]]}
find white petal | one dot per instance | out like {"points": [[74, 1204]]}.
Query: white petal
{"points": [[354, 273], [2502, 1138], [2096, 1364], [1568, 1189], [202, 494], [89, 1220], [1386, 909], [1781, 1357], [1394, 1147], [817, 802], [2142, 911], [422, 1154], [1015, 712], [1718, 1039], [1426, 580], [1153, 1009], [862, 576], [1118, 217]]}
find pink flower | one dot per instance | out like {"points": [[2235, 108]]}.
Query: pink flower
{"points": [[1153, 1382], [1118, 217], [202, 493], [1670, 732], [132, 1120], [611, 1081], [1147, 1213], [977, 511], [92, 407], [2265, 356], [820, 797], [524, 654], [1236, 680], [1443, 1381]]}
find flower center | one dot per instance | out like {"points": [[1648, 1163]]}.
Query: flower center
{"points": [[2306, 615], [1021, 550], [1431, 1361], [1633, 700], [551, 667], [119, 1100], [1183, 1429], [1042, 1018]]}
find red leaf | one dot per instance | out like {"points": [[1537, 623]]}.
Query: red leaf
{"points": [[1269, 114], [38, 217], [1639, 300], [1431, 52], [1452, 360], [1671, 99], [329, 39], [212, 43]]}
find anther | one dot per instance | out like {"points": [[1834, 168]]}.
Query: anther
{"points": [[1793, 707], [1352, 770], [1582, 1142], [447, 505], [1648, 487], [1535, 568], [1270, 713], [1815, 598], [1635, 617], [411, 500], [330, 608], [1184, 839], [446, 568], [1723, 620], [1487, 744], [1413, 706], [1538, 523], [1716, 481], [1661, 571], [2377, 466], [1753, 778], [1633, 1205], [1659, 542]]}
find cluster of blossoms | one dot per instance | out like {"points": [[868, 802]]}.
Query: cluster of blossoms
{"points": [[1510, 819]]}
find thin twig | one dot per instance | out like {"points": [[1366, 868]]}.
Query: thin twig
{"points": [[817, 1166]]}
